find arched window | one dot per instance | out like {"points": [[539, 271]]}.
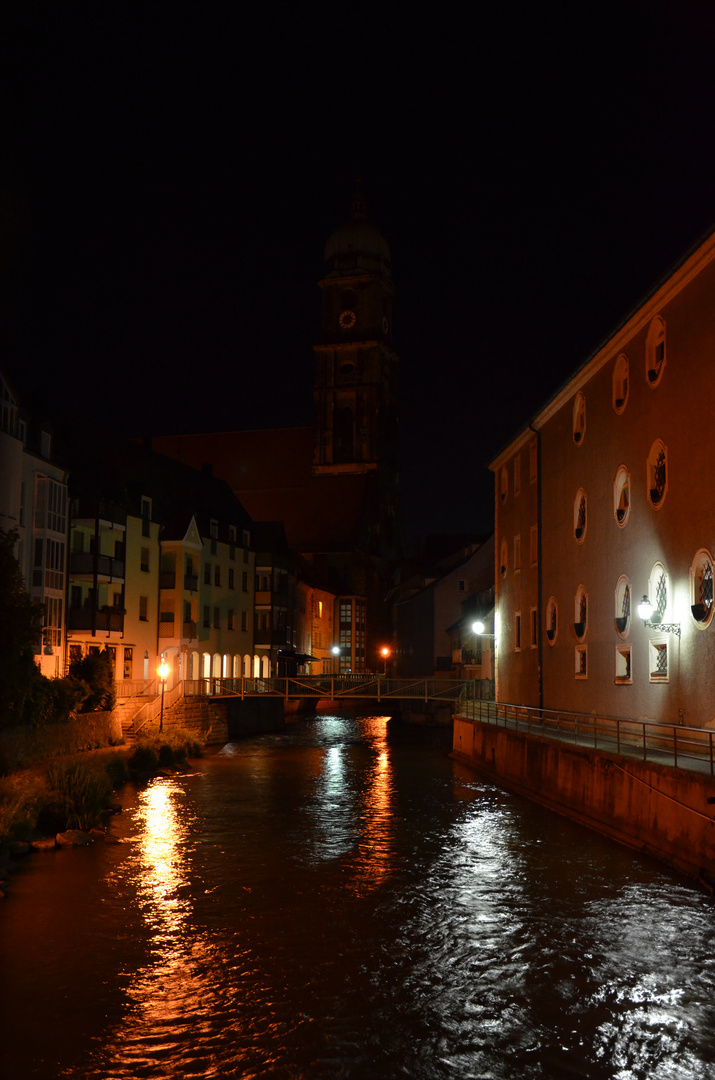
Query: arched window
{"points": [[237, 666], [256, 667], [620, 383], [579, 418], [581, 612], [655, 351], [216, 666], [579, 515], [226, 667], [658, 593], [701, 588], [206, 665], [247, 666], [552, 621], [657, 474], [622, 495], [623, 605], [265, 667]]}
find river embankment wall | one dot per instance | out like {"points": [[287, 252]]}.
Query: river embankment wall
{"points": [[220, 720], [661, 811]]}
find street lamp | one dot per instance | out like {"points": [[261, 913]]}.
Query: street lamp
{"points": [[645, 611], [384, 653], [336, 653], [163, 670]]}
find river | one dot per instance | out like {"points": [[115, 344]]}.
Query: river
{"points": [[336, 901]]}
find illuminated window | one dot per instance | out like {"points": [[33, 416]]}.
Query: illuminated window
{"points": [[581, 662], [504, 558], [623, 664], [552, 623], [579, 516], [620, 383], [658, 660], [623, 605], [658, 593], [580, 612], [622, 495], [579, 418], [655, 351], [657, 474], [701, 588]]}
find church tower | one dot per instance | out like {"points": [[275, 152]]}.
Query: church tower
{"points": [[356, 380]]}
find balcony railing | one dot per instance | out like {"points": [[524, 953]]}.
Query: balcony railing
{"points": [[86, 619], [90, 509], [82, 564]]}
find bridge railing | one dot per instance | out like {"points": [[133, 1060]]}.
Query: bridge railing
{"points": [[650, 740], [358, 686]]}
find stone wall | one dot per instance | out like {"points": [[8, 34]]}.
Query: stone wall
{"points": [[218, 720], [661, 811]]}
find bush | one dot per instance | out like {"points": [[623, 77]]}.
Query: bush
{"points": [[23, 798], [80, 794], [96, 671]]}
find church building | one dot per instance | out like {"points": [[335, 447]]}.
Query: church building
{"points": [[334, 485]]}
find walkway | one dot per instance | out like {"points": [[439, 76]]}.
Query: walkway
{"points": [[648, 740]]}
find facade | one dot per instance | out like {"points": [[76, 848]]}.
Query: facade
{"points": [[161, 566], [605, 501], [33, 502], [434, 613]]}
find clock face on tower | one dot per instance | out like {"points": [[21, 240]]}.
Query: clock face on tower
{"points": [[347, 319]]}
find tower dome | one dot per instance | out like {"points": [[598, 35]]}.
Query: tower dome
{"points": [[358, 247]]}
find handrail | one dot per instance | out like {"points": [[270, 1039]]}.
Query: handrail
{"points": [[652, 740]]}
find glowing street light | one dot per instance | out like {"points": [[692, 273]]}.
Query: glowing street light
{"points": [[336, 653], [163, 671], [384, 653]]}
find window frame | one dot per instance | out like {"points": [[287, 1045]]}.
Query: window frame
{"points": [[621, 382], [702, 556]]}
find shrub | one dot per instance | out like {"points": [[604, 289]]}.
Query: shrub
{"points": [[80, 793], [23, 798], [96, 670]]}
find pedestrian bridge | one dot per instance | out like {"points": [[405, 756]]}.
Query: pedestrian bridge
{"points": [[336, 688]]}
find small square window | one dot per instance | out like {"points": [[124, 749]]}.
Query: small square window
{"points": [[623, 664], [517, 631], [658, 661], [581, 662]]}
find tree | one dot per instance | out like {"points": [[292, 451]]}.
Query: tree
{"points": [[20, 632]]}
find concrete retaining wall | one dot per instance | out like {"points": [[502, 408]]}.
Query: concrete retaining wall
{"points": [[661, 811]]}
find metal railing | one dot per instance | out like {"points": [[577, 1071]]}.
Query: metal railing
{"points": [[355, 687], [649, 740]]}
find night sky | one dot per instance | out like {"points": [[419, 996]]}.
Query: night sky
{"points": [[169, 175]]}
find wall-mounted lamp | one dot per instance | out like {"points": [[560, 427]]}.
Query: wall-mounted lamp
{"points": [[478, 628], [645, 610]]}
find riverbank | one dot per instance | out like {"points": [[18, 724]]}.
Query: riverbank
{"points": [[68, 800]]}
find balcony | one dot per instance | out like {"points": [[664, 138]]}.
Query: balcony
{"points": [[188, 630], [191, 582], [167, 579], [166, 626], [89, 510], [82, 565], [87, 619]]}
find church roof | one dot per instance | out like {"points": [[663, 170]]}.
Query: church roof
{"points": [[271, 473], [357, 246]]}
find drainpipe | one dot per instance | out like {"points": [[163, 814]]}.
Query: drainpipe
{"points": [[540, 572]]}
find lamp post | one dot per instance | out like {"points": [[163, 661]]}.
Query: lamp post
{"points": [[163, 670], [384, 653], [336, 653]]}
